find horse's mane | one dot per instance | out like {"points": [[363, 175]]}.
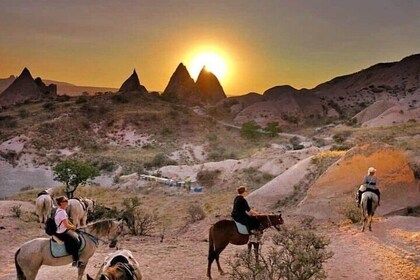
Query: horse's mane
{"points": [[102, 226]]}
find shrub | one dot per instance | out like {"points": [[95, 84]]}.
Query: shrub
{"points": [[351, 211], [49, 106], [120, 98], [103, 212], [297, 253], [195, 213], [207, 177], [81, 99], [23, 113], [159, 160], [342, 136], [141, 221], [272, 129], [250, 130], [16, 210]]}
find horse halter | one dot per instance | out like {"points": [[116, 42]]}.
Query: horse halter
{"points": [[128, 268]]}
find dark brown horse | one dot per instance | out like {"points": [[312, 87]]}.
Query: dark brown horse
{"points": [[224, 232]]}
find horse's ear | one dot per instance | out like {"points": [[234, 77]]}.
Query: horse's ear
{"points": [[88, 277]]}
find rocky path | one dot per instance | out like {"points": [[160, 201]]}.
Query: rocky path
{"points": [[390, 251]]}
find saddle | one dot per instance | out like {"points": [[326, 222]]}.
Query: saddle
{"points": [[242, 229], [58, 249], [42, 193]]}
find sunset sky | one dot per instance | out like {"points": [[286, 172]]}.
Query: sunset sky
{"points": [[261, 43]]}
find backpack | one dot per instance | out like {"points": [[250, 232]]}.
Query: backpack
{"points": [[50, 225]]}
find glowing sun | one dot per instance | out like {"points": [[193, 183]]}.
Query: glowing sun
{"points": [[213, 62]]}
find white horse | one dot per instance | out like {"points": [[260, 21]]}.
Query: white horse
{"points": [[37, 252], [44, 204], [78, 209], [120, 265], [369, 203]]}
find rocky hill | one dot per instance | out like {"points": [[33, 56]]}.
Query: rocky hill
{"points": [[181, 87], [132, 84], [342, 97], [24, 88], [211, 90]]}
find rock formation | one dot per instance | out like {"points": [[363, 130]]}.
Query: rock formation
{"points": [[210, 89], [24, 88], [132, 84], [181, 87]]}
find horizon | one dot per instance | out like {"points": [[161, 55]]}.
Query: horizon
{"points": [[296, 43]]}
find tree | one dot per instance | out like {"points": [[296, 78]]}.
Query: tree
{"points": [[73, 173]]}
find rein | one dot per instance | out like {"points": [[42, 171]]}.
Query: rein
{"points": [[92, 236]]}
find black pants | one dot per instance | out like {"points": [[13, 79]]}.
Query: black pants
{"points": [[376, 191], [250, 222], [71, 243]]}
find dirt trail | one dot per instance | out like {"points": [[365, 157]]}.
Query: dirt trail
{"points": [[389, 252]]}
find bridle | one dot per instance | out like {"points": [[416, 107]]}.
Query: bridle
{"points": [[128, 268]]}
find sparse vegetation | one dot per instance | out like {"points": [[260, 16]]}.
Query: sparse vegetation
{"points": [[195, 213], [272, 129], [297, 254], [351, 211], [16, 210], [207, 177], [250, 130]]}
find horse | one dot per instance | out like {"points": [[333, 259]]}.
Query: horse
{"points": [[224, 232], [120, 265], [43, 205], [369, 203], [78, 209], [37, 252]]}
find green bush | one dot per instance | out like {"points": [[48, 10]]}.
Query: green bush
{"points": [[250, 130], [296, 254]]}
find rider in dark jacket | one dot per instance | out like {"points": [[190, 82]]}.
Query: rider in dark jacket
{"points": [[242, 213], [370, 183]]}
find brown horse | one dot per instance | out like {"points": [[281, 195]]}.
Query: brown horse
{"points": [[224, 232]]}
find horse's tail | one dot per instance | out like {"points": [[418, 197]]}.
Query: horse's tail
{"points": [[212, 251], [20, 275], [369, 206]]}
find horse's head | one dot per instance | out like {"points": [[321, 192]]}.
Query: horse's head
{"points": [[272, 220], [90, 204], [116, 230], [110, 229]]}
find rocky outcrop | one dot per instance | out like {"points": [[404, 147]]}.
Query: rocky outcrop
{"points": [[209, 86], [181, 87], [132, 84], [24, 88]]}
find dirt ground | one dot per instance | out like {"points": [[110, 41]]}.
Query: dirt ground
{"points": [[390, 251]]}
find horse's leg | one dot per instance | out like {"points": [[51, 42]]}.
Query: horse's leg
{"points": [[216, 257], [363, 218], [81, 271], [256, 251], [370, 222]]}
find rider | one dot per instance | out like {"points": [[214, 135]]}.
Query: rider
{"points": [[242, 213], [370, 183], [66, 230]]}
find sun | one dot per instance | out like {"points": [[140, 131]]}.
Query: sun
{"points": [[213, 62]]}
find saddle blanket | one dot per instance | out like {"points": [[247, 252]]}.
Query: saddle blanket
{"points": [[58, 250], [241, 228]]}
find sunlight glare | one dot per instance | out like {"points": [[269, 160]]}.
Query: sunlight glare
{"points": [[213, 63]]}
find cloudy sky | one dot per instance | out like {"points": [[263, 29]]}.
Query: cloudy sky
{"points": [[262, 43]]}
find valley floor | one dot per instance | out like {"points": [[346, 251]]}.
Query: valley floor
{"points": [[390, 251]]}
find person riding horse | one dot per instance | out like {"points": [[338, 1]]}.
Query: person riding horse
{"points": [[66, 231], [242, 213], [370, 183]]}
